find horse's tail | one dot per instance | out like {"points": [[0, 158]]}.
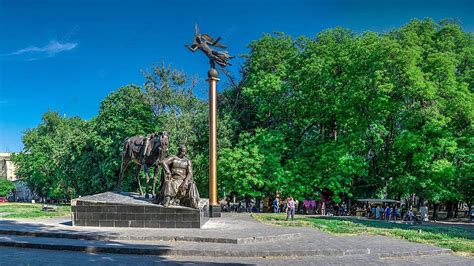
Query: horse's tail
{"points": [[126, 147]]}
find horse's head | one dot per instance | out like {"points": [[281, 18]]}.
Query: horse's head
{"points": [[164, 145]]}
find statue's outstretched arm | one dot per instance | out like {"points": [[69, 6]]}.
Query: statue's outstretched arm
{"points": [[165, 163], [192, 48]]}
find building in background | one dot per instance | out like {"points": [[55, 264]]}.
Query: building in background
{"points": [[7, 168], [8, 171]]}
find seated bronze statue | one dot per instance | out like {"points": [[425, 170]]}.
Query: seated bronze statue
{"points": [[178, 187]]}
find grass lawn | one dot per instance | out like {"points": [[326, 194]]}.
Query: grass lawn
{"points": [[458, 239], [28, 210]]}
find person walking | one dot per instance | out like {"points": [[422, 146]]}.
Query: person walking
{"points": [[276, 208], [290, 212], [387, 213]]}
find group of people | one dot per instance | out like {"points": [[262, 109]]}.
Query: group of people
{"points": [[396, 213], [289, 205], [386, 213]]}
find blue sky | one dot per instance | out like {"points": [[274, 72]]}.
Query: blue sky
{"points": [[66, 55]]}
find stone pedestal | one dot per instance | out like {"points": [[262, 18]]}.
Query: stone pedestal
{"points": [[214, 211], [111, 209]]}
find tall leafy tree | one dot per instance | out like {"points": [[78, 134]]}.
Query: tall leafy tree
{"points": [[122, 114], [50, 159]]}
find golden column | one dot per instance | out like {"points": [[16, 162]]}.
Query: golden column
{"points": [[207, 45], [214, 208]]}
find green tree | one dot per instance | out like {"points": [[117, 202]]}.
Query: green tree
{"points": [[437, 115], [51, 155], [364, 113], [253, 167], [122, 114], [6, 186]]}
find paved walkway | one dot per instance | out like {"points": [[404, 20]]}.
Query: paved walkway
{"points": [[232, 236], [232, 228]]}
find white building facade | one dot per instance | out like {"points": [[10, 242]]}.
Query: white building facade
{"points": [[7, 168], [8, 171]]}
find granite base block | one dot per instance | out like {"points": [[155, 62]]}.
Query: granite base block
{"points": [[121, 210], [214, 211]]}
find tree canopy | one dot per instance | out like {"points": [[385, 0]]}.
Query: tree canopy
{"points": [[361, 114]]}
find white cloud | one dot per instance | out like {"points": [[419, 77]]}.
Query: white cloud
{"points": [[52, 48]]}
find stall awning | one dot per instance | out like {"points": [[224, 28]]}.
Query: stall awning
{"points": [[379, 200]]}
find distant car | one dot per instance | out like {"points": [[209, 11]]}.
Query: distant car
{"points": [[3, 199]]}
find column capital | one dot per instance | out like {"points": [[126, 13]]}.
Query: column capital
{"points": [[212, 74]]}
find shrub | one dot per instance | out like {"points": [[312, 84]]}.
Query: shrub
{"points": [[6, 186]]}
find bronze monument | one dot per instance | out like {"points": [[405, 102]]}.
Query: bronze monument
{"points": [[177, 186], [146, 152]]}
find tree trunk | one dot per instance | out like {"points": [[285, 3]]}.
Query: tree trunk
{"points": [[349, 205], [470, 209], [410, 202], [323, 203], [449, 209], [419, 203], [435, 211], [456, 209], [247, 202]]}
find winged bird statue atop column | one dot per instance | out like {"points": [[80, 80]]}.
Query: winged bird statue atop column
{"points": [[204, 42]]}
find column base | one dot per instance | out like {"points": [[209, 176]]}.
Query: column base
{"points": [[214, 211]]}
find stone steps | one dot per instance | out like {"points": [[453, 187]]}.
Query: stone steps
{"points": [[168, 248], [109, 237]]}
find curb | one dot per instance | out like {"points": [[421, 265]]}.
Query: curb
{"points": [[79, 236], [414, 253], [162, 251]]}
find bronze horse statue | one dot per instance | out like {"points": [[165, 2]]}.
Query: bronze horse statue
{"points": [[146, 152]]}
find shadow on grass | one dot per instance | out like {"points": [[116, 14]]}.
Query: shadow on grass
{"points": [[452, 231]]}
